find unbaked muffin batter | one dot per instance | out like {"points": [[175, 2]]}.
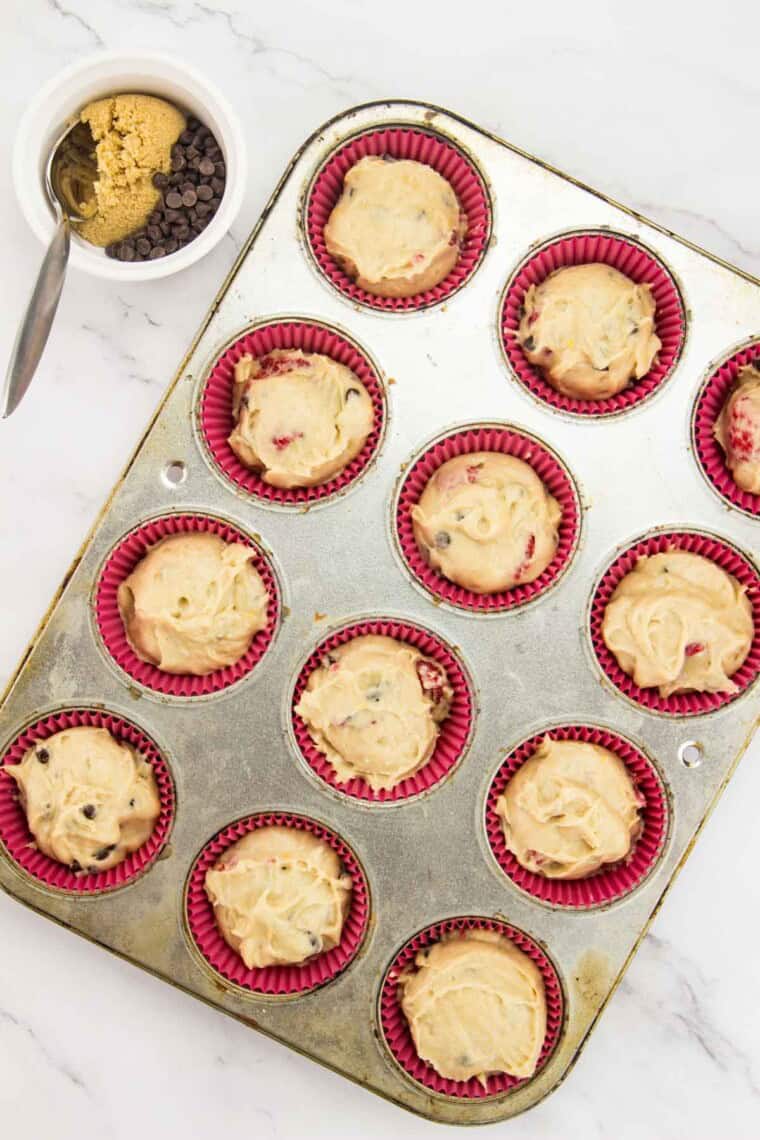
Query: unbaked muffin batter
{"points": [[280, 896], [487, 522], [89, 800], [397, 227], [737, 430], [133, 137], [680, 622], [373, 708], [590, 330], [301, 417], [569, 809], [193, 603], [476, 1006]]}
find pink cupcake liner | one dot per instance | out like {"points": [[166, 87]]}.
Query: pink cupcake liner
{"points": [[274, 980], [18, 840], [612, 881], [632, 260], [396, 1030], [122, 561], [725, 556], [710, 455], [454, 731], [421, 146], [215, 406], [507, 441]]}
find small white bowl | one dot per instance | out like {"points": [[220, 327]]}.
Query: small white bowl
{"points": [[111, 73]]}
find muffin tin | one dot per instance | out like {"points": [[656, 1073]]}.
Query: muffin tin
{"points": [[232, 752]]}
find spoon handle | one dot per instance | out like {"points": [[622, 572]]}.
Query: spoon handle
{"points": [[35, 327]]}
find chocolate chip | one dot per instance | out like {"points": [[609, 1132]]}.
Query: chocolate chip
{"points": [[202, 209], [352, 392], [173, 200], [160, 180], [192, 124], [178, 163], [220, 170], [171, 245], [189, 198], [42, 755], [529, 343], [191, 152], [131, 803], [207, 168], [442, 539], [165, 229], [188, 185], [177, 179], [104, 852], [88, 811], [157, 251], [154, 233], [186, 137], [205, 193], [154, 218], [112, 250], [217, 185], [126, 252], [75, 866]]}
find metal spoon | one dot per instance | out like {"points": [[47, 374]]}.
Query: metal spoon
{"points": [[62, 179]]}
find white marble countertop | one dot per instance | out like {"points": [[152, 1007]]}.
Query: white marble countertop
{"points": [[653, 105]]}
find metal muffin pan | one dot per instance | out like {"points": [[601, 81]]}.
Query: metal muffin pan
{"points": [[232, 753]]}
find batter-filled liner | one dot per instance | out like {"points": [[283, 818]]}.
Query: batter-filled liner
{"points": [[612, 881], [120, 564], [279, 981], [710, 455], [18, 840], [454, 731], [398, 1037], [630, 259], [730, 560], [420, 146], [506, 441]]}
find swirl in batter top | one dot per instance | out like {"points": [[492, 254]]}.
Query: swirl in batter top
{"points": [[679, 622], [569, 809], [193, 604], [373, 708], [737, 430], [280, 896], [89, 799], [300, 417], [397, 227], [590, 329], [476, 1006], [487, 522]]}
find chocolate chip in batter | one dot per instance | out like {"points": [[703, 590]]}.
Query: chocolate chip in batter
{"points": [[88, 811], [529, 343], [104, 852], [75, 866], [352, 392], [42, 755], [442, 539]]}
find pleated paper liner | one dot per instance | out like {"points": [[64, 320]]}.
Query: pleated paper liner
{"points": [[454, 731], [635, 262], [725, 556], [709, 405], [119, 565], [610, 882], [216, 420], [395, 1027], [420, 146], [506, 441], [14, 829], [277, 981]]}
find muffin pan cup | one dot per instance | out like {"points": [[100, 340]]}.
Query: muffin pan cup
{"points": [[504, 440], [216, 420], [340, 560], [424, 146], [709, 454], [17, 839], [274, 981], [454, 732], [123, 559], [631, 259], [611, 881], [397, 1034], [687, 703]]}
